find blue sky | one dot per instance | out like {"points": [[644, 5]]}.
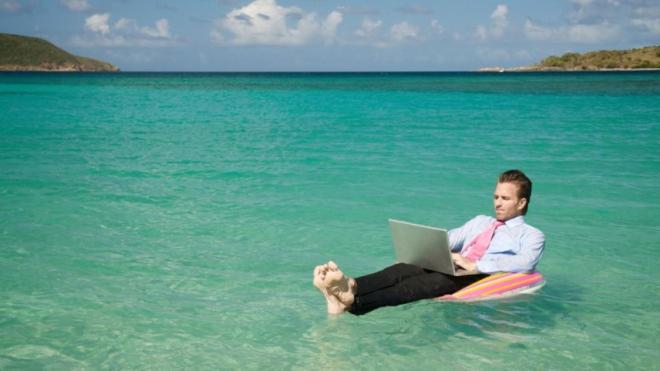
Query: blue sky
{"points": [[325, 35]]}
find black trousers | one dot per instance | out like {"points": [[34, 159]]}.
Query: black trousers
{"points": [[403, 283]]}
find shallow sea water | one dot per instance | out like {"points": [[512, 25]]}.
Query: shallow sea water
{"points": [[157, 221]]}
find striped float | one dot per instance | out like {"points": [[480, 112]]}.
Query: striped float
{"points": [[498, 286]]}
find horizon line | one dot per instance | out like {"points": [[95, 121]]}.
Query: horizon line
{"points": [[340, 71]]}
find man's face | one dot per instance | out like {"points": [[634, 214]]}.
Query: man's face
{"points": [[506, 201]]}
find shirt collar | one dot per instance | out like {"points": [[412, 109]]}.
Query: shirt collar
{"points": [[513, 222]]}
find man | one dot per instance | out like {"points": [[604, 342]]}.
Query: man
{"points": [[482, 246]]}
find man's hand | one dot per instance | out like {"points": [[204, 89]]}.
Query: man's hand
{"points": [[464, 263]]}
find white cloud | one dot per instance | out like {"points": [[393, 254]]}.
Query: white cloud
{"points": [[370, 33], [264, 22], [499, 20], [76, 5], [98, 23], [10, 5], [125, 24], [647, 11], [499, 23], [652, 25], [368, 28], [404, 31], [614, 11], [437, 27], [329, 27], [578, 33], [124, 33], [647, 17], [162, 29]]}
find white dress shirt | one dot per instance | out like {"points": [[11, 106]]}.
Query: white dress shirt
{"points": [[515, 247]]}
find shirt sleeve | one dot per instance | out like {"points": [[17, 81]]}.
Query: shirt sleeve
{"points": [[531, 251]]}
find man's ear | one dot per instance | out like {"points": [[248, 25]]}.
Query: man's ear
{"points": [[521, 204]]}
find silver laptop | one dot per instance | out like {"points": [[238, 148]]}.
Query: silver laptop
{"points": [[423, 246]]}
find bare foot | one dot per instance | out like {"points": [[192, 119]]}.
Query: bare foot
{"points": [[339, 285], [320, 276]]}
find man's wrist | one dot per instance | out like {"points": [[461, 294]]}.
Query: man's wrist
{"points": [[472, 266]]}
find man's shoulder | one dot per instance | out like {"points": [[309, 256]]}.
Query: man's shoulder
{"points": [[531, 230]]}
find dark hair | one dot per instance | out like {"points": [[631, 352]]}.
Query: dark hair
{"points": [[522, 181]]}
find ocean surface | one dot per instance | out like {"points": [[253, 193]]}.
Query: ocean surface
{"points": [[172, 221]]}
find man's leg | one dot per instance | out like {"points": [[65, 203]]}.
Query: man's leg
{"points": [[387, 277], [427, 285], [340, 290]]}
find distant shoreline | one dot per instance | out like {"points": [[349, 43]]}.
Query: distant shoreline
{"points": [[551, 69], [17, 68], [32, 54], [490, 70], [640, 59]]}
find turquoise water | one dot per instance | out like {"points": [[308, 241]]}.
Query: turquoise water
{"points": [[173, 220]]}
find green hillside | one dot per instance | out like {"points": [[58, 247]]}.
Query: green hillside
{"points": [[23, 53], [647, 57]]}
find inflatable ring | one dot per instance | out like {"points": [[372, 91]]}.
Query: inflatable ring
{"points": [[498, 286]]}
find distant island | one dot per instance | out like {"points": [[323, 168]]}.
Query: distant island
{"points": [[23, 53], [647, 58]]}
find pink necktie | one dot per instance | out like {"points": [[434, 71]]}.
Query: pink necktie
{"points": [[475, 249]]}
